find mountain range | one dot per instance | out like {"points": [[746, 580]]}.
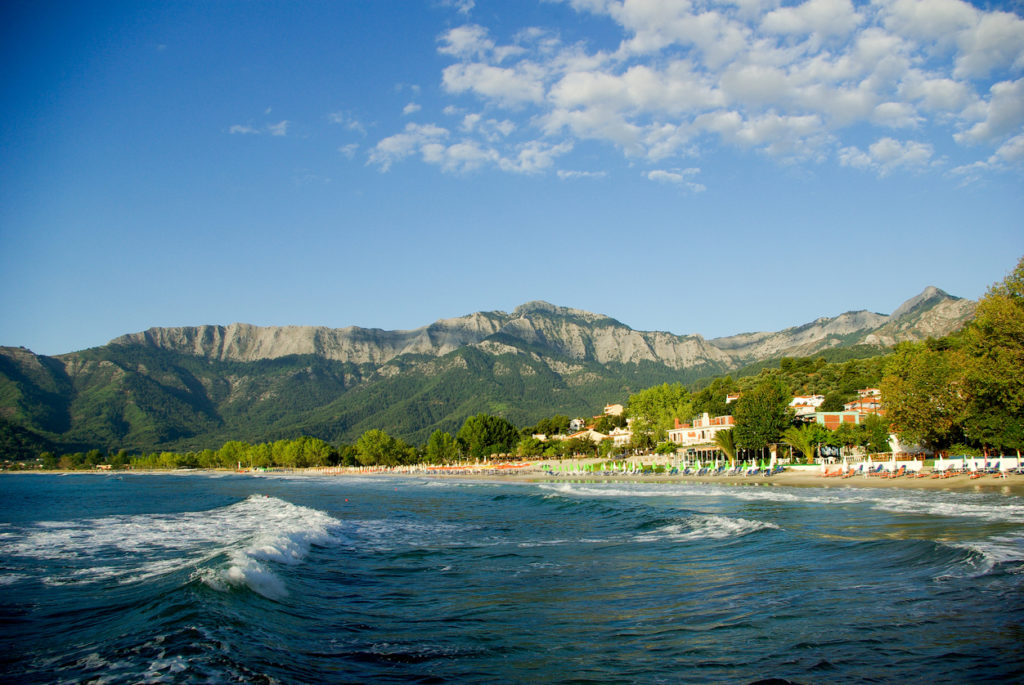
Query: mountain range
{"points": [[190, 387]]}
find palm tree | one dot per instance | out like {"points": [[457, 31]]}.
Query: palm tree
{"points": [[727, 443], [801, 438]]}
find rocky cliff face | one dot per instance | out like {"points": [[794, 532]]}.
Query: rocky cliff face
{"points": [[246, 343], [200, 386], [564, 332]]}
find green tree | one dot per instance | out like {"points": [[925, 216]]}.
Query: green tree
{"points": [[924, 393], [581, 446], [556, 449], [803, 438], [655, 409], [555, 425], [847, 435], [208, 459], [666, 448], [762, 414], [834, 401], [442, 448], [712, 398], [313, 451], [726, 441], [260, 456], [530, 447], [607, 423], [375, 447], [993, 346], [347, 456], [876, 431], [233, 453], [483, 435]]}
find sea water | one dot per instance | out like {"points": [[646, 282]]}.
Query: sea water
{"points": [[237, 578]]}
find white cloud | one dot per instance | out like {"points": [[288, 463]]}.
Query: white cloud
{"points": [[1002, 115], [1011, 151], [792, 80], [430, 143], [411, 108], [887, 154], [278, 129], [565, 175], [822, 18], [348, 120], [466, 41], [534, 157], [1009, 154], [349, 150], [682, 178], [415, 138], [461, 157], [508, 86], [896, 115], [995, 41], [935, 94], [460, 6], [490, 129]]}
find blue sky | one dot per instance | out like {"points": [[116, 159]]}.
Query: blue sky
{"points": [[691, 166]]}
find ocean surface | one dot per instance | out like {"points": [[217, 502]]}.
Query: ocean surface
{"points": [[236, 578]]}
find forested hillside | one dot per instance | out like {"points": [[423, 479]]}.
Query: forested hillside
{"points": [[196, 388]]}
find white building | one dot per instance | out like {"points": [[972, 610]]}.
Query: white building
{"points": [[803, 405], [701, 431], [621, 437], [613, 409]]}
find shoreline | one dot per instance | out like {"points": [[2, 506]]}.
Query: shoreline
{"points": [[1013, 484]]}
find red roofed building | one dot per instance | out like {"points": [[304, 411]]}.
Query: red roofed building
{"points": [[701, 431]]}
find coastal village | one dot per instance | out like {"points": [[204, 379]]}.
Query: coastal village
{"points": [[700, 430]]}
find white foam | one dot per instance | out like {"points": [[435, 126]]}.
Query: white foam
{"points": [[135, 548], [1000, 549], [988, 507], [704, 527], [963, 506]]}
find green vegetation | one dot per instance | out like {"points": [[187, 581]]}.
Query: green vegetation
{"points": [[171, 409], [967, 388], [654, 410], [482, 435], [762, 414]]}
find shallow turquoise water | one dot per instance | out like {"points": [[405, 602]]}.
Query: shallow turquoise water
{"points": [[196, 577]]}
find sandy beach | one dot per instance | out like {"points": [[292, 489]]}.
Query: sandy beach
{"points": [[1013, 484], [800, 476]]}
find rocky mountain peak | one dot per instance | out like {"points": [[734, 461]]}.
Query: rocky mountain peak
{"points": [[927, 298], [546, 308]]}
